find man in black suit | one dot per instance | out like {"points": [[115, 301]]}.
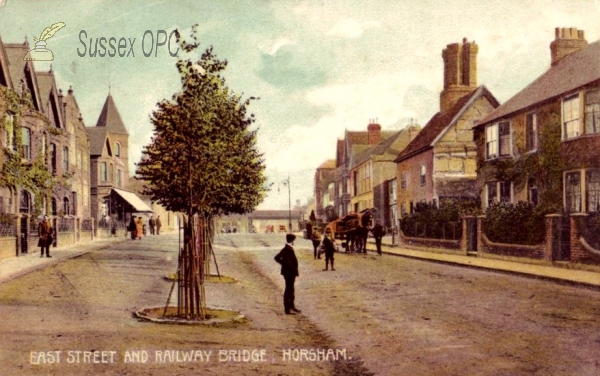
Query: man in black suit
{"points": [[289, 270]]}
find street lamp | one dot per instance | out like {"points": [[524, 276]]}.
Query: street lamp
{"points": [[287, 182]]}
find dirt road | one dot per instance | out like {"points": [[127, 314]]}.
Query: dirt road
{"points": [[376, 315]]}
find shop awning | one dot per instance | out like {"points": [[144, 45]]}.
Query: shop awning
{"points": [[136, 203]]}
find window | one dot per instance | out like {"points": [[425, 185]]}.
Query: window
{"points": [[53, 159], [111, 172], [592, 112], [117, 149], [505, 191], [54, 206], [592, 190], [497, 140], [491, 141], [74, 195], [423, 174], [531, 132], [9, 131], [44, 144], [571, 117], [25, 202], [119, 180], [533, 195], [498, 191], [26, 143], [403, 180], [103, 171], [65, 159], [411, 207], [66, 206], [573, 192], [504, 129], [492, 193]]}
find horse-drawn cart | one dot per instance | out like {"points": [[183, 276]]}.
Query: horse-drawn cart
{"points": [[353, 230]]}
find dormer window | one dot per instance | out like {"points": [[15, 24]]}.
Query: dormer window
{"points": [[117, 149]]}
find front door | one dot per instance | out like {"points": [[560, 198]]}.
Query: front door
{"points": [[24, 235]]}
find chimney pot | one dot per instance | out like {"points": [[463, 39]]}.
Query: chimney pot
{"points": [[566, 41]]}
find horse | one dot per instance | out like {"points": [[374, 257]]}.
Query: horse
{"points": [[357, 231]]}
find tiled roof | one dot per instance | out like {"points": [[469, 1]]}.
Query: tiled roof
{"points": [[328, 164], [15, 53], [97, 139], [110, 117], [4, 65], [47, 84], [379, 149], [575, 70], [440, 122]]}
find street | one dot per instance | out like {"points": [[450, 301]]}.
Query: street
{"points": [[374, 315]]}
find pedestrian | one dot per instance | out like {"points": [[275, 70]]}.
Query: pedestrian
{"points": [[158, 224], [378, 232], [289, 270], [151, 224], [132, 228], [329, 245], [316, 241], [139, 228], [45, 234]]}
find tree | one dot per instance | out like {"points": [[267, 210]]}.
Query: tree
{"points": [[202, 160]]}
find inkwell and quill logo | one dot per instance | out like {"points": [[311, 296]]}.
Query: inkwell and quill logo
{"points": [[40, 52]]}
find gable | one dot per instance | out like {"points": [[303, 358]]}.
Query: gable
{"points": [[441, 123]]}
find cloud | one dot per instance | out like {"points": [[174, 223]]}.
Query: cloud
{"points": [[291, 68], [348, 28], [278, 44]]}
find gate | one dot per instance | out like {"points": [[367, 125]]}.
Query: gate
{"points": [[471, 234], [561, 244]]}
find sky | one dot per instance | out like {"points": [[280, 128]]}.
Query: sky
{"points": [[318, 67]]}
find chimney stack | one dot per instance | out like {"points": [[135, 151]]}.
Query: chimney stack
{"points": [[374, 132], [566, 41], [460, 72]]}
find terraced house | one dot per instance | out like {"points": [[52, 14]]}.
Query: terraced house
{"points": [[347, 149], [558, 114], [373, 176], [542, 145], [43, 165]]}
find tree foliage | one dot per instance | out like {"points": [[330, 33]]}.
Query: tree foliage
{"points": [[203, 154]]}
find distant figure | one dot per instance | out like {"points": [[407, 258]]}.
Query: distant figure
{"points": [[329, 245], [378, 232], [289, 270], [139, 228], [316, 240], [45, 233], [132, 228], [151, 223], [158, 224]]}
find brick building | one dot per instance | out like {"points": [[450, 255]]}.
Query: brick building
{"points": [[440, 163]]}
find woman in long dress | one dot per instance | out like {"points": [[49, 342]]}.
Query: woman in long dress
{"points": [[139, 226]]}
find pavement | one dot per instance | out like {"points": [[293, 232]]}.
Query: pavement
{"points": [[15, 267], [554, 271]]}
